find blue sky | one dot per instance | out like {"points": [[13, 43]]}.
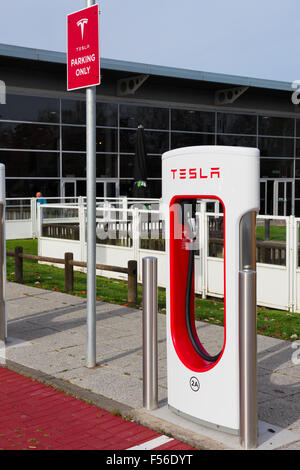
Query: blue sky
{"points": [[257, 38]]}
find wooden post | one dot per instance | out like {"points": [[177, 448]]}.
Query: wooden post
{"points": [[18, 264], [267, 229], [69, 272], [132, 282]]}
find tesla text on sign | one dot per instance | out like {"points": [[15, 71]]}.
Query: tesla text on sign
{"points": [[83, 56]]}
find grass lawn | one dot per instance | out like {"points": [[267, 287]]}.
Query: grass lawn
{"points": [[277, 233], [276, 323]]}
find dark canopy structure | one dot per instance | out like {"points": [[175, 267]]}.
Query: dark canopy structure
{"points": [[140, 187]]}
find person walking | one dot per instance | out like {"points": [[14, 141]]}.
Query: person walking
{"points": [[40, 199]]}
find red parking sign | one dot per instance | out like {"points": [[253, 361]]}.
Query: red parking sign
{"points": [[83, 56]]}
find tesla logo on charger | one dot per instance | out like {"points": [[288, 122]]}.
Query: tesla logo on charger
{"points": [[81, 23], [195, 173]]}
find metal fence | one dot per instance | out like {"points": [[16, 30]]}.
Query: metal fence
{"points": [[132, 233], [131, 229], [21, 214]]}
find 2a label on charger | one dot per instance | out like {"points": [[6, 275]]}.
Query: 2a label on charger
{"points": [[194, 384]]}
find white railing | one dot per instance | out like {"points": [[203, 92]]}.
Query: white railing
{"points": [[22, 217], [62, 228]]}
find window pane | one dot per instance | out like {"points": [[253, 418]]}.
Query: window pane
{"points": [[190, 120], [126, 166], [73, 138], [30, 108], [155, 188], [106, 166], [73, 165], [215, 236], [81, 187], [297, 213], [155, 142], [99, 189], [297, 188], [111, 190], [29, 136], [297, 148], [126, 187], [270, 168], [275, 126], [236, 123], [107, 114], [29, 188], [297, 175], [150, 118], [271, 241], [236, 140], [73, 111], [186, 140], [106, 140], [276, 147], [153, 166], [25, 164]]}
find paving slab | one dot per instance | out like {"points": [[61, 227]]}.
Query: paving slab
{"points": [[270, 437], [36, 417], [47, 334]]}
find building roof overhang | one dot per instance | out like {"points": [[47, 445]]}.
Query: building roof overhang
{"points": [[27, 53]]}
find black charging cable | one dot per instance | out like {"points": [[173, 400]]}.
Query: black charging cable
{"points": [[188, 295]]}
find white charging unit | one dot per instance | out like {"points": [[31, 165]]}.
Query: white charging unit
{"points": [[202, 388]]}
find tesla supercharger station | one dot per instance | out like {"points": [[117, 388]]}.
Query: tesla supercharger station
{"points": [[216, 390], [3, 320]]}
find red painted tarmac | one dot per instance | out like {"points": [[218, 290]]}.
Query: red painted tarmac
{"points": [[34, 416]]}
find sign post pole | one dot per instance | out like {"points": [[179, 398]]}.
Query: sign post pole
{"points": [[91, 220], [91, 224], [83, 71]]}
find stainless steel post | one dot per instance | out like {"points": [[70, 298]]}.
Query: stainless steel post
{"points": [[247, 332], [91, 219], [248, 347], [150, 382]]}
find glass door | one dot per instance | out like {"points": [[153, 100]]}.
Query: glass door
{"points": [[276, 197], [72, 188], [68, 191], [106, 188], [99, 188], [111, 189], [283, 197], [266, 197], [263, 197]]}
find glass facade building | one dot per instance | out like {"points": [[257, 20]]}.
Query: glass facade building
{"points": [[43, 139], [42, 144]]}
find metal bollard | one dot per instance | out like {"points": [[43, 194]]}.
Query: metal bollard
{"points": [[248, 352], [150, 382]]}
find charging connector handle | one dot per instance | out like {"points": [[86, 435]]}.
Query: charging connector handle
{"points": [[191, 223], [188, 295]]}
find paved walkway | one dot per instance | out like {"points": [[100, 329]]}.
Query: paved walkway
{"points": [[34, 416], [47, 333]]}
